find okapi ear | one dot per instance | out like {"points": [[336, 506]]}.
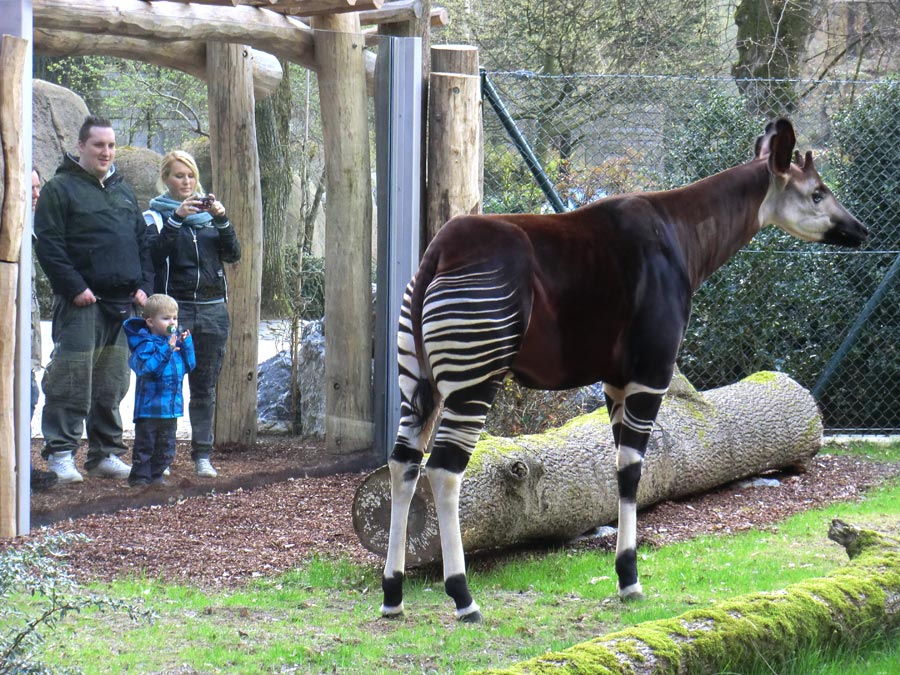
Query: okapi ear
{"points": [[781, 147], [761, 150]]}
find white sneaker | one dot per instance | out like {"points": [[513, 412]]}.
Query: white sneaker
{"points": [[63, 465], [203, 468], [110, 467], [167, 472]]}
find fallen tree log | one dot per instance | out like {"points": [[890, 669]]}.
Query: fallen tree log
{"points": [[559, 484], [853, 605]]}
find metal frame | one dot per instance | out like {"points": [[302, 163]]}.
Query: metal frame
{"points": [[398, 146]]}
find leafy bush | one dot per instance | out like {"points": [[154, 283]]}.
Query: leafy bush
{"points": [[311, 303], [868, 179], [36, 571], [706, 136]]}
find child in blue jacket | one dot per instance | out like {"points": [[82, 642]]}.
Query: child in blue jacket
{"points": [[160, 357]]}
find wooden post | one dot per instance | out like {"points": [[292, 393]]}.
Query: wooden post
{"points": [[348, 234], [461, 59], [454, 141], [12, 221], [235, 180]]}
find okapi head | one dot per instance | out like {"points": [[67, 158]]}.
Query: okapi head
{"points": [[798, 202]]}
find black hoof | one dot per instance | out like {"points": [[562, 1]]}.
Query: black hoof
{"points": [[633, 596], [471, 617]]}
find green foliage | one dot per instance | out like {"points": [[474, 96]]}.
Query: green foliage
{"points": [[37, 593], [146, 102], [311, 303], [520, 193], [868, 139], [705, 135], [570, 36]]}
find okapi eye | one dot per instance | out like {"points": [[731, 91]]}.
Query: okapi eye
{"points": [[818, 196]]}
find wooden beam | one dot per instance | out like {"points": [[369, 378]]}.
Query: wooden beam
{"points": [[285, 37], [171, 22], [12, 218], [454, 147], [188, 56], [348, 235], [400, 11], [236, 182], [298, 7]]}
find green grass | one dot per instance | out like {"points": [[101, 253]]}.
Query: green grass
{"points": [[323, 616]]}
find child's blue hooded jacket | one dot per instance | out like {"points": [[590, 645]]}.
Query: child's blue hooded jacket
{"points": [[160, 370]]}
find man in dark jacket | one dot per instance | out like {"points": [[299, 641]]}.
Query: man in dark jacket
{"points": [[92, 244]]}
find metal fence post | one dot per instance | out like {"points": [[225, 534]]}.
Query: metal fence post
{"points": [[398, 140]]}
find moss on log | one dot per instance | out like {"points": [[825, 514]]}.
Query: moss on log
{"points": [[853, 605], [559, 484]]}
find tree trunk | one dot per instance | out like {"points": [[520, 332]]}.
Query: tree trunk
{"points": [[851, 606], [235, 167], [771, 42], [273, 118], [559, 484]]}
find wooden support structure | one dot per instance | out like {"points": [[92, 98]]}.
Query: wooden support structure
{"points": [[236, 181], [263, 31], [454, 180], [12, 221], [348, 234], [169, 22], [188, 56], [298, 7], [404, 11]]}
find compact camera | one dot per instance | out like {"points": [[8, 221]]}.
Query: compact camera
{"points": [[206, 203]]}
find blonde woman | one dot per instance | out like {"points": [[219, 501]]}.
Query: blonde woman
{"points": [[195, 239]]}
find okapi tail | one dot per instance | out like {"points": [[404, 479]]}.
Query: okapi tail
{"points": [[422, 402]]}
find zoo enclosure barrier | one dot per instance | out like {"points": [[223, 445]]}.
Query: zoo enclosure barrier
{"points": [[828, 317]]}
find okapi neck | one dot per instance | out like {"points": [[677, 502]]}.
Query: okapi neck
{"points": [[717, 216]]}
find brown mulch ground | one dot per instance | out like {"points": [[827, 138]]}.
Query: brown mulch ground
{"points": [[281, 502]]}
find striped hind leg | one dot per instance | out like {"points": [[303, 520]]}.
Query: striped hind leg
{"points": [[461, 423], [632, 412], [472, 326], [418, 410]]}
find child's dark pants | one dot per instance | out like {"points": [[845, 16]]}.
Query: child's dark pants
{"points": [[154, 449]]}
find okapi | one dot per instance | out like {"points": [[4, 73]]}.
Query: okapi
{"points": [[602, 293]]}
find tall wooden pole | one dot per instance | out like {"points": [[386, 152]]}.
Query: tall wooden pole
{"points": [[455, 164], [235, 180], [12, 224], [348, 234]]}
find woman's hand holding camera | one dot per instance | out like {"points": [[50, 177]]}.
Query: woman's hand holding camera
{"points": [[198, 204]]}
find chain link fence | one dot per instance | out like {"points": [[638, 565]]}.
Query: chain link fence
{"points": [[828, 317]]}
